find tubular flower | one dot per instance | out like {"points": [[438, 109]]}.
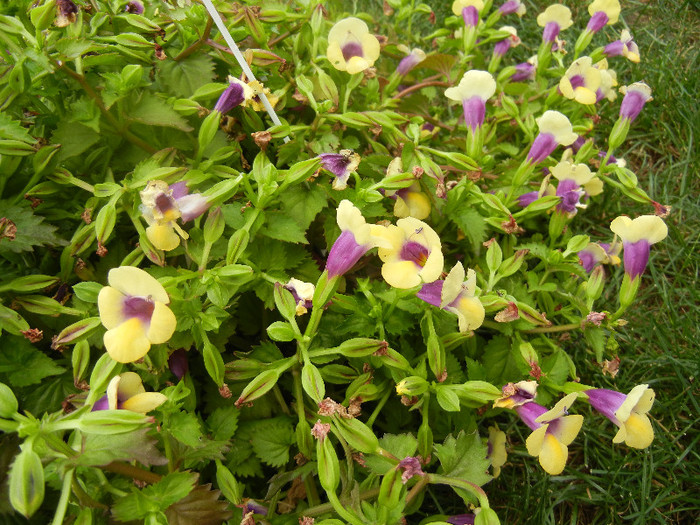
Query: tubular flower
{"points": [[525, 70], [237, 93], [555, 129], [552, 432], [469, 9], [608, 80], [629, 412], [351, 47], [496, 446], [637, 237], [341, 165], [572, 177], [596, 253], [356, 238], [475, 88], [513, 6], [554, 19], [126, 391], [625, 47], [603, 12], [581, 81], [162, 205], [412, 253], [516, 394], [636, 95], [303, 294], [502, 47], [411, 202], [415, 57], [456, 295], [133, 309]]}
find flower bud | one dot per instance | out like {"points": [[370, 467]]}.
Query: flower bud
{"points": [[214, 225], [390, 489], [105, 422], [618, 134], [237, 245], [594, 285], [358, 435], [361, 347], [328, 468], [72, 332], [312, 382], [26, 482], [412, 386], [512, 264], [227, 483], [258, 387]]}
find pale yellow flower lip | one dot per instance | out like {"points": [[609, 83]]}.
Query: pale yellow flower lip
{"points": [[351, 47]]}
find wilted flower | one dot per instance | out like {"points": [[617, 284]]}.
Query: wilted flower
{"points": [[512, 6], [502, 47], [341, 165], [516, 394], [356, 238], [625, 47], [237, 93], [475, 88], [415, 57], [133, 309], [162, 205], [636, 95], [496, 449], [126, 391], [603, 12], [552, 432], [601, 252], [456, 295], [554, 19], [412, 253], [575, 181], [351, 47], [637, 237], [67, 12], [411, 467], [303, 294], [134, 7], [629, 412], [469, 9], [581, 81], [555, 129]]}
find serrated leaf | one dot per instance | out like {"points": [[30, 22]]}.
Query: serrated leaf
{"points": [[499, 363], [185, 427], [74, 138], [472, 225], [242, 461], [24, 365], [271, 439], [223, 422], [97, 450], [154, 111], [184, 77], [11, 129], [464, 457], [158, 497], [201, 506], [400, 445], [303, 203], [31, 230], [283, 227]]}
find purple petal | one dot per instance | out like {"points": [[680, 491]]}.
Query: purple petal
{"points": [[632, 105], [138, 307], [431, 293], [232, 96], [597, 22], [528, 198], [414, 252], [471, 16], [101, 404], [529, 412], [550, 32], [177, 362], [614, 49], [352, 49], [636, 257], [474, 112], [179, 189], [344, 254], [192, 206], [523, 71], [542, 147], [606, 401]]}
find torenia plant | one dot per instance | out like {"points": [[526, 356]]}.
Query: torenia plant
{"points": [[333, 253]]}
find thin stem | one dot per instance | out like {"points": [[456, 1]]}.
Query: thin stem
{"points": [[133, 472], [324, 508], [379, 407], [550, 329], [63, 500], [420, 86], [416, 489], [342, 511], [196, 45]]}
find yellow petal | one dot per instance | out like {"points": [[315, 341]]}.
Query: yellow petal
{"points": [[130, 385], [558, 125], [452, 286], [470, 313], [553, 455], [109, 304], [556, 13], [127, 342], [163, 236], [401, 274], [335, 56], [113, 392], [568, 428], [559, 409], [535, 441], [163, 324], [144, 402], [357, 65], [418, 205], [584, 95], [135, 282], [566, 88], [433, 266], [640, 434], [370, 47]]}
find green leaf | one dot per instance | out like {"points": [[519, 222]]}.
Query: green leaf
{"points": [[185, 428], [11, 129], [223, 422], [400, 445], [154, 111], [464, 457], [74, 138], [271, 439], [87, 291], [472, 225], [158, 497], [184, 77], [24, 365], [283, 227], [303, 203], [98, 450], [242, 461], [499, 362], [201, 506]]}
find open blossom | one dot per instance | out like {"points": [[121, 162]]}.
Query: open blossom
{"points": [[356, 238], [351, 47], [628, 412], [608, 81], [555, 129], [126, 391], [502, 47], [474, 89], [513, 6], [412, 253], [341, 165], [553, 431], [456, 295], [415, 57], [554, 19], [303, 294], [469, 9], [133, 309], [581, 81], [603, 12], [162, 205], [237, 93], [637, 237], [516, 394], [636, 95], [624, 46], [596, 253], [573, 178]]}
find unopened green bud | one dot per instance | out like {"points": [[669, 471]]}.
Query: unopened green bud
{"points": [[258, 387], [528, 353], [26, 482], [243, 369], [628, 290], [284, 301], [626, 177], [29, 283], [618, 134], [594, 285], [327, 463], [412, 386], [80, 359], [512, 264], [325, 288], [281, 331], [486, 516], [213, 362], [106, 422], [73, 332], [509, 106], [390, 489], [529, 314], [237, 245], [358, 435], [228, 485], [312, 382], [207, 130], [576, 244], [105, 221], [479, 392], [494, 255], [101, 374], [214, 225], [361, 347], [303, 435]]}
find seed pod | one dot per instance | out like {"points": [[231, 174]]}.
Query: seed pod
{"points": [[26, 482]]}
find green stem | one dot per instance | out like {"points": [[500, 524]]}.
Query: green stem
{"points": [[324, 508], [130, 471], [379, 407], [550, 329], [8, 426], [63, 500], [342, 511], [196, 45], [476, 490]]}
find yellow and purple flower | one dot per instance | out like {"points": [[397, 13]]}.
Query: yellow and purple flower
{"points": [[581, 81], [66, 13], [456, 295], [554, 19], [341, 165], [525, 70], [351, 47], [555, 129], [603, 12], [513, 6], [628, 412], [624, 46], [237, 93], [608, 81], [134, 310], [502, 47], [575, 181], [414, 57], [469, 9], [599, 253], [516, 394], [636, 95], [553, 431], [474, 89], [126, 392], [411, 252], [637, 237], [303, 294]]}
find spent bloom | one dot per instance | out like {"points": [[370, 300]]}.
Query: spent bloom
{"points": [[575, 181], [502, 47], [555, 129], [162, 205], [126, 391], [351, 47], [356, 238], [341, 165], [513, 6], [469, 9], [636, 95], [629, 412], [303, 294], [456, 295], [516, 394], [415, 56], [637, 236], [134, 310], [410, 201], [66, 13], [554, 19], [411, 252], [603, 12], [553, 431], [581, 81], [624, 46], [602, 252], [474, 89], [608, 81], [237, 93], [134, 7]]}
